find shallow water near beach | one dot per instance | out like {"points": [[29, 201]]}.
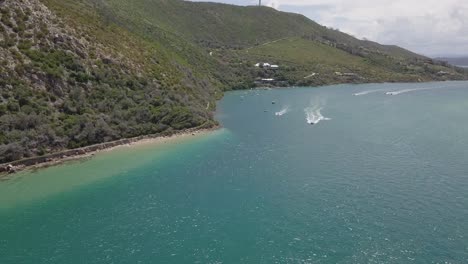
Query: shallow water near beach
{"points": [[337, 174]]}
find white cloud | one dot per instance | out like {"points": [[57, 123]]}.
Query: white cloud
{"points": [[432, 27]]}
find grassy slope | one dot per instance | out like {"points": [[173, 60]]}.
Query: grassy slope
{"points": [[299, 58], [228, 26], [214, 25], [226, 29], [220, 25]]}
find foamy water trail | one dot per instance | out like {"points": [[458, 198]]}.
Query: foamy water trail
{"points": [[283, 111], [314, 114], [366, 92], [407, 91]]}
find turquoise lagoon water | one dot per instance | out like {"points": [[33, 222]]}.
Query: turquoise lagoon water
{"points": [[377, 179]]}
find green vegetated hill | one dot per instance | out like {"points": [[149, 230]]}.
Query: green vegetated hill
{"points": [[80, 72]]}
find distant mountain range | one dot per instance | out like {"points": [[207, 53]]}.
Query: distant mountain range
{"points": [[80, 72], [458, 61]]}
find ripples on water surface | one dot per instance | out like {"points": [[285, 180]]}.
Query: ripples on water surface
{"points": [[384, 181]]}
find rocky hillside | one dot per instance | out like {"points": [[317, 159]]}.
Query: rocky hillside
{"points": [[80, 72], [66, 85]]}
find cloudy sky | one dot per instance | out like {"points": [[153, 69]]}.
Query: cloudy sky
{"points": [[430, 27]]}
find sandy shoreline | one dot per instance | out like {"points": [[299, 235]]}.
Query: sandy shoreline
{"points": [[89, 151]]}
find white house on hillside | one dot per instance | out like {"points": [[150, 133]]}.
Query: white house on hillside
{"points": [[267, 65]]}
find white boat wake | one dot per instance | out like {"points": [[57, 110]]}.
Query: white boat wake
{"points": [[283, 111], [314, 115], [407, 91], [367, 92]]}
